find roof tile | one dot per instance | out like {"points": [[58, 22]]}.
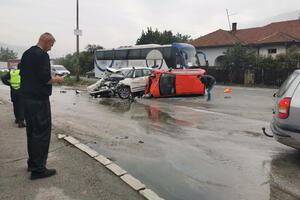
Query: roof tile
{"points": [[285, 31]]}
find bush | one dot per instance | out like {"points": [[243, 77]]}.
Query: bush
{"points": [[71, 81]]}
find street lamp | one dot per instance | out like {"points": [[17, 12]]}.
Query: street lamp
{"points": [[78, 33]]}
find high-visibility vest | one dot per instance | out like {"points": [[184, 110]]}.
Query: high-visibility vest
{"points": [[15, 79]]}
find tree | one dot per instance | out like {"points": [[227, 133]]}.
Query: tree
{"points": [[237, 59], [165, 37], [86, 59], [7, 54]]}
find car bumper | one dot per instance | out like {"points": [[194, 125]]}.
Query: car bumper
{"points": [[285, 137]]}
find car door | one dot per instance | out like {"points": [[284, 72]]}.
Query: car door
{"points": [[138, 82]]}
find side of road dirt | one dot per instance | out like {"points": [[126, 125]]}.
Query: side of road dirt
{"points": [[78, 175]]}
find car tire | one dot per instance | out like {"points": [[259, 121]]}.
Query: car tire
{"points": [[124, 92]]}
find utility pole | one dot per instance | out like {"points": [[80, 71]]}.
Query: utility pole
{"points": [[77, 32]]}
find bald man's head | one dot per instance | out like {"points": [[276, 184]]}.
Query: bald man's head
{"points": [[46, 41]]}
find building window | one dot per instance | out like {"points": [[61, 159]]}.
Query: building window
{"points": [[272, 51]]}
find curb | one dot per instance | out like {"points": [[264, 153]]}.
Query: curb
{"points": [[117, 170]]}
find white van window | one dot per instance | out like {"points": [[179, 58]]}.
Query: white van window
{"points": [[286, 84], [296, 97]]}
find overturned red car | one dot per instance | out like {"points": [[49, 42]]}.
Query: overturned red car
{"points": [[177, 82]]}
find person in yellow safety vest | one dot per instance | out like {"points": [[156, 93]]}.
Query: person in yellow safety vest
{"points": [[13, 79]]}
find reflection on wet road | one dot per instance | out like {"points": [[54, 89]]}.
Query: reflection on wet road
{"points": [[182, 148], [187, 148]]}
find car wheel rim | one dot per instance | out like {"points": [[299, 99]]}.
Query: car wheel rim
{"points": [[124, 92]]}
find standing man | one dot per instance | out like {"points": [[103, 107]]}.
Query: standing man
{"points": [[209, 82], [36, 84], [13, 79]]}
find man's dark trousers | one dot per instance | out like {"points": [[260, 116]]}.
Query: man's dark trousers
{"points": [[38, 128]]}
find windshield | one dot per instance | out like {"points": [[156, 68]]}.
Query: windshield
{"points": [[125, 72], [59, 68], [190, 56]]}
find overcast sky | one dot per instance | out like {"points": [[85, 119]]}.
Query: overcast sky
{"points": [[114, 23]]}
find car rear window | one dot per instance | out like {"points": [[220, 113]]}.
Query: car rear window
{"points": [[286, 84]]}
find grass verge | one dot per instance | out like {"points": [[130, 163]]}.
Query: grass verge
{"points": [[71, 81]]}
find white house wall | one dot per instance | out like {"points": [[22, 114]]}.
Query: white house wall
{"points": [[211, 55], [263, 51], [3, 65]]}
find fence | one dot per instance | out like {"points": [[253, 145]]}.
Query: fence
{"points": [[269, 77]]}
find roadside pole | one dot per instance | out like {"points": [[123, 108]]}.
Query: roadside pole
{"points": [[78, 33]]}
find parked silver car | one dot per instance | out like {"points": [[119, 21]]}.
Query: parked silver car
{"points": [[285, 124], [59, 70]]}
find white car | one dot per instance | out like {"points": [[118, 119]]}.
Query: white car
{"points": [[134, 82], [4, 69], [59, 70], [125, 82], [106, 86]]}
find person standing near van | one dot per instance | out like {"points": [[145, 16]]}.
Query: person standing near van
{"points": [[13, 79], [36, 83], [209, 82]]}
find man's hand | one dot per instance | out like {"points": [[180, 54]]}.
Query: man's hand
{"points": [[59, 79], [56, 79]]}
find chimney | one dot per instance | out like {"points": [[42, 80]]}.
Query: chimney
{"points": [[234, 25]]}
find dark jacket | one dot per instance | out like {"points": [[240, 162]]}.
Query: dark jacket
{"points": [[207, 80], [35, 74], [13, 93]]}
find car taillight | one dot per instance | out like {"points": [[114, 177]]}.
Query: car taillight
{"points": [[283, 108]]}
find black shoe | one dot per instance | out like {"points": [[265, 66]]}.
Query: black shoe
{"points": [[21, 124], [44, 174]]}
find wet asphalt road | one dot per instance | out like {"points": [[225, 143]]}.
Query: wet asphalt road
{"points": [[186, 148]]}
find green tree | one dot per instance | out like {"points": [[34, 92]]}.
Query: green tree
{"points": [[165, 37], [92, 47], [237, 59], [86, 59], [7, 54], [290, 59]]}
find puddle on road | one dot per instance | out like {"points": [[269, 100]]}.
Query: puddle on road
{"points": [[168, 120], [143, 113], [284, 176], [116, 105]]}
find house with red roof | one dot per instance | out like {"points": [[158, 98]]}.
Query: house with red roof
{"points": [[271, 39]]}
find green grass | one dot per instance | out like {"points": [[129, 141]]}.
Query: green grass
{"points": [[71, 81], [2, 73]]}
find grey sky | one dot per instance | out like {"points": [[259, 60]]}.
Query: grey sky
{"points": [[115, 23]]}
